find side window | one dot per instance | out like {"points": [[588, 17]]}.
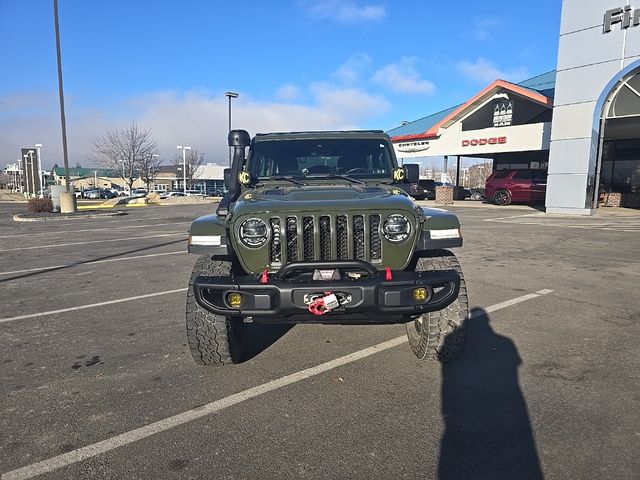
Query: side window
{"points": [[539, 177], [522, 175]]}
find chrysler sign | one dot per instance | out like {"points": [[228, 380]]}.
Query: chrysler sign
{"points": [[410, 147], [474, 142], [626, 16]]}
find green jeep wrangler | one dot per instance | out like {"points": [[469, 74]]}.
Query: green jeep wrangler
{"points": [[315, 228]]}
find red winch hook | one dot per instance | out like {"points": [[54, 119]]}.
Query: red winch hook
{"points": [[322, 305]]}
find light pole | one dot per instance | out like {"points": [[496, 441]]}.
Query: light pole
{"points": [[40, 174], [33, 173], [230, 95], [184, 167], [20, 173], [25, 175]]}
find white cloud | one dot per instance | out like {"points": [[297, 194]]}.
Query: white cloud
{"points": [[484, 71], [349, 104], [345, 11], [288, 92], [352, 70], [481, 26], [402, 77], [195, 118]]}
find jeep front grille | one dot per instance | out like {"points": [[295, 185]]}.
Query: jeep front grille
{"points": [[292, 239], [325, 237]]}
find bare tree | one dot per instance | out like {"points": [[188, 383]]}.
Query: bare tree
{"points": [[149, 167], [194, 160], [123, 150], [5, 179], [478, 174]]}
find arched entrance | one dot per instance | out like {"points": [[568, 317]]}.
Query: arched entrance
{"points": [[619, 162]]}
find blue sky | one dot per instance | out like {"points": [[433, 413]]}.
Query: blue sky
{"points": [[297, 65]]}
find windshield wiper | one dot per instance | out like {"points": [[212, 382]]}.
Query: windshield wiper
{"points": [[335, 175], [290, 179]]}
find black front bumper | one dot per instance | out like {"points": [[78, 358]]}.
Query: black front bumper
{"points": [[372, 298]]}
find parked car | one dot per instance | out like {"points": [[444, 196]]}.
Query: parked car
{"points": [[476, 193], [118, 192], [139, 192], [196, 193], [519, 186], [164, 195], [107, 193], [423, 189], [215, 192], [90, 194]]}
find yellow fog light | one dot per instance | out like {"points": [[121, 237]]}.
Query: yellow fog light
{"points": [[234, 300], [420, 294]]}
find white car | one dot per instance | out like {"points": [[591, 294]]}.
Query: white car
{"points": [[172, 194]]}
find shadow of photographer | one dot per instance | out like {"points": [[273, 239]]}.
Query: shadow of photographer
{"points": [[487, 433]]}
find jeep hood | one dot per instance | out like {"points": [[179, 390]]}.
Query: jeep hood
{"points": [[322, 198]]}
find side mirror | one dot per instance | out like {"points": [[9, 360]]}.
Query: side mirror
{"points": [[227, 178], [412, 172]]}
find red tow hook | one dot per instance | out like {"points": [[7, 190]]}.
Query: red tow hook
{"points": [[322, 305], [317, 307], [388, 276], [263, 277]]}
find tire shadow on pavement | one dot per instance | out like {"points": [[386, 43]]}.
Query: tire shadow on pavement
{"points": [[488, 433]]}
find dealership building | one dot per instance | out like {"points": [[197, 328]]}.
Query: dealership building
{"points": [[580, 123]]}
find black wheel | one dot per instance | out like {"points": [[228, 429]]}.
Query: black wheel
{"points": [[213, 339], [476, 196], [441, 335], [502, 197]]}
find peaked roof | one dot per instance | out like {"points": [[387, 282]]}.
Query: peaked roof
{"points": [[544, 83], [540, 89]]}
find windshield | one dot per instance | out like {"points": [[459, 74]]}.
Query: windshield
{"points": [[357, 158]]}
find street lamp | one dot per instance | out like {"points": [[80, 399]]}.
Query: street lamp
{"points": [[184, 167], [40, 173], [230, 95], [20, 173], [25, 175], [33, 173]]}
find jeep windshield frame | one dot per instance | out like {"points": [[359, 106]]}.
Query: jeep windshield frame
{"points": [[354, 159]]}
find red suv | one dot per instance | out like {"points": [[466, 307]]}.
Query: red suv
{"points": [[520, 186]]}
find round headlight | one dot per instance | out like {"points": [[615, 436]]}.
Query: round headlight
{"points": [[253, 232], [396, 228]]}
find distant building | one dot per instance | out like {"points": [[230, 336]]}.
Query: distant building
{"points": [[84, 178]]}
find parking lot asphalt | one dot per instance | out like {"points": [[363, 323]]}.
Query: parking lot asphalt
{"points": [[96, 379]]}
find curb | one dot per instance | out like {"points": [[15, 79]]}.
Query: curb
{"points": [[94, 207], [63, 216]]}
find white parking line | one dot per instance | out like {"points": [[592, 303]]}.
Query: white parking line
{"points": [[90, 305], [92, 262], [153, 225], [165, 424], [55, 245]]}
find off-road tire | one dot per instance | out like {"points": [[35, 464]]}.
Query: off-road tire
{"points": [[213, 339], [441, 335], [502, 198]]}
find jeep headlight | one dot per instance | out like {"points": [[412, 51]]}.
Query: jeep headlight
{"points": [[253, 232], [396, 228]]}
